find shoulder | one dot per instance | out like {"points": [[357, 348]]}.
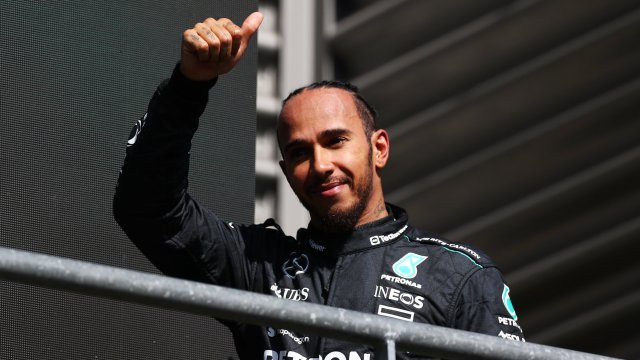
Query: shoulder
{"points": [[466, 273], [267, 236], [438, 247], [456, 255]]}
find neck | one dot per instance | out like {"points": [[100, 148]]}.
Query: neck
{"points": [[377, 210]]}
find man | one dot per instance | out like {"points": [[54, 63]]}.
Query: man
{"points": [[358, 252]]}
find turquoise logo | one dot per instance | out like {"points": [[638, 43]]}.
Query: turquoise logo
{"points": [[407, 266], [506, 300]]}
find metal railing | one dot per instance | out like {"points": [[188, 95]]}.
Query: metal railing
{"points": [[386, 335]]}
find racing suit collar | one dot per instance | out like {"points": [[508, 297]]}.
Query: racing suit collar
{"points": [[374, 234]]}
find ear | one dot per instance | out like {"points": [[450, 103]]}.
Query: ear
{"points": [[380, 145]]}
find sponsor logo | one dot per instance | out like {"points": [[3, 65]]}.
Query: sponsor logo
{"points": [[407, 266], [317, 246], [271, 332], [395, 313], [379, 239], [296, 264], [505, 335], [509, 321], [462, 248], [133, 136], [506, 300], [398, 296], [399, 280], [292, 355], [290, 294]]}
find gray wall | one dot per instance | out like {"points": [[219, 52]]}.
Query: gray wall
{"points": [[74, 77]]}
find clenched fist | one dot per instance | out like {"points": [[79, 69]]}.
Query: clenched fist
{"points": [[213, 47]]}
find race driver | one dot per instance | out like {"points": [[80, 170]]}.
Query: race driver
{"points": [[357, 253]]}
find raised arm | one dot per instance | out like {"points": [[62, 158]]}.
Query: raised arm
{"points": [[151, 203]]}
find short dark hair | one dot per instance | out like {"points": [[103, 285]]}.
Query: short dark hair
{"points": [[367, 113]]}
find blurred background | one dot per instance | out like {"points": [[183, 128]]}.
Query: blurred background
{"points": [[515, 127]]}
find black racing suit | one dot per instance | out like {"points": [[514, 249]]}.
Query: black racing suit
{"points": [[386, 267]]}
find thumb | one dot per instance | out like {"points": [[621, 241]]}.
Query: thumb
{"points": [[251, 24]]}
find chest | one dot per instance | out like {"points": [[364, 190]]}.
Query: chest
{"points": [[396, 284]]}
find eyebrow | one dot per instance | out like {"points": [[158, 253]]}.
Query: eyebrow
{"points": [[324, 134]]}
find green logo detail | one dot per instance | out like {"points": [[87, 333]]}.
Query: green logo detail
{"points": [[407, 267], [506, 300]]}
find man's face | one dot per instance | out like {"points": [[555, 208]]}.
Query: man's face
{"points": [[327, 158]]}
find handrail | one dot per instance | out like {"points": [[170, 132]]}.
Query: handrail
{"points": [[387, 335]]}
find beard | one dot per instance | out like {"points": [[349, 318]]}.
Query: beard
{"points": [[337, 220], [345, 220]]}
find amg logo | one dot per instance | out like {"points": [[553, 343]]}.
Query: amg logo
{"points": [[398, 296], [379, 239]]}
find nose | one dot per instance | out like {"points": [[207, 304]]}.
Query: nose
{"points": [[322, 162]]}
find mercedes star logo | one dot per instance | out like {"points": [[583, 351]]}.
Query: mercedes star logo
{"points": [[296, 264]]}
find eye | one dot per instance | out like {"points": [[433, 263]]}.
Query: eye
{"points": [[338, 140], [297, 153]]}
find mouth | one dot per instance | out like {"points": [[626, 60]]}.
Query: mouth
{"points": [[328, 189]]}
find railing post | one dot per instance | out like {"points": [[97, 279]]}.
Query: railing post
{"points": [[386, 350]]}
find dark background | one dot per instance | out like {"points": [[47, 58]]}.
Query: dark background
{"points": [[515, 128], [74, 77]]}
